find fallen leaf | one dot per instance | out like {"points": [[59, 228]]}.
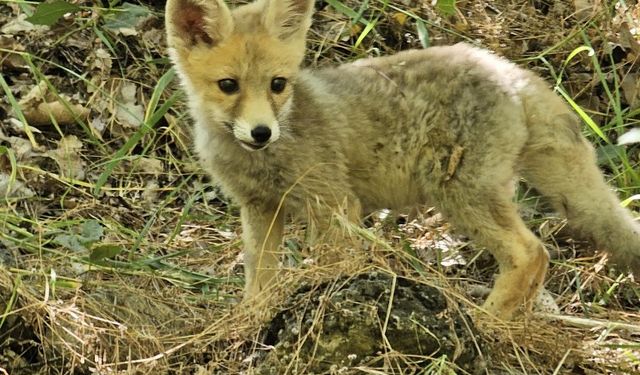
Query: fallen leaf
{"points": [[71, 242], [41, 108], [21, 25], [102, 252], [128, 112], [632, 136], [48, 13], [101, 60], [149, 166], [98, 124], [67, 156], [63, 114], [446, 7], [124, 20], [92, 230], [631, 89], [9, 58], [21, 147], [150, 192], [400, 18], [585, 8], [13, 188]]}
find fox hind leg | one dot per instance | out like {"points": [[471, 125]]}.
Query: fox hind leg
{"points": [[488, 215]]}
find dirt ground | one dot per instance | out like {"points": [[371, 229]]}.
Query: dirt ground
{"points": [[117, 255]]}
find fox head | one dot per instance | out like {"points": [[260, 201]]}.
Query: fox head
{"points": [[238, 66]]}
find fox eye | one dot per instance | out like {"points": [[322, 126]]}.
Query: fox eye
{"points": [[228, 85], [278, 84]]}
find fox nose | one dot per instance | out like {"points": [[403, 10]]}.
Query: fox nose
{"points": [[261, 133]]}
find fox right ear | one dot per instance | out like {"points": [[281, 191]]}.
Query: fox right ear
{"points": [[190, 22], [288, 18]]}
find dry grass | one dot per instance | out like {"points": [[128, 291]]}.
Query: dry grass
{"points": [[156, 289]]}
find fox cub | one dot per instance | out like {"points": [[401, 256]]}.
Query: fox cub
{"points": [[449, 127]]}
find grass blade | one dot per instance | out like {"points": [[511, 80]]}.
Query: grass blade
{"points": [[152, 117]]}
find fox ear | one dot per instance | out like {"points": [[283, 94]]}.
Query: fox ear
{"points": [[190, 22], [288, 18]]}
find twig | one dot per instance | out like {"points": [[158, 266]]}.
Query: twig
{"points": [[590, 323]]}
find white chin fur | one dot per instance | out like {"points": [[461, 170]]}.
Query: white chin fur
{"points": [[249, 148]]}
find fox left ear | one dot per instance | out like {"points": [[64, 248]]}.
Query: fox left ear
{"points": [[190, 22], [288, 18]]}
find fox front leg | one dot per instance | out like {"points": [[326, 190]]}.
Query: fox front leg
{"points": [[262, 234]]}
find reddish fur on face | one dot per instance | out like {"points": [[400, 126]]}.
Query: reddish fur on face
{"points": [[250, 52], [246, 59]]}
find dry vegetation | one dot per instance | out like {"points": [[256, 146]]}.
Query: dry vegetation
{"points": [[117, 256]]}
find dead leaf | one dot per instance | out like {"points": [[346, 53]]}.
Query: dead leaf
{"points": [[150, 192], [400, 18], [8, 56], [45, 113], [41, 108], [21, 147], [153, 36], [21, 25], [19, 127], [13, 188], [67, 156], [101, 60], [149, 166], [632, 136], [631, 89], [98, 125], [129, 20], [128, 112], [585, 9]]}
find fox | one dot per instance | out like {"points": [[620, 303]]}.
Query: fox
{"points": [[450, 127]]}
